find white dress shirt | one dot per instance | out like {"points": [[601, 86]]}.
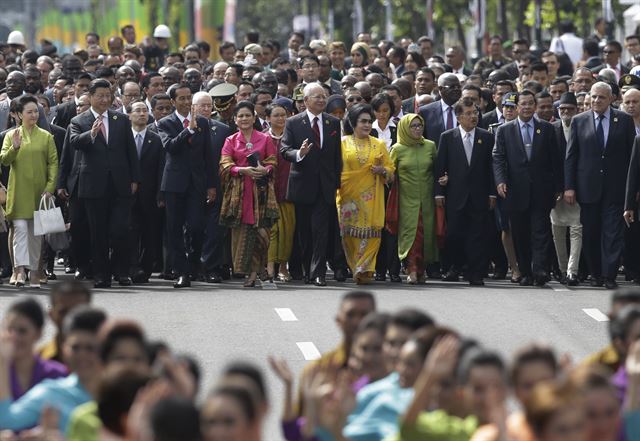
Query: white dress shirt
{"points": [[445, 114], [105, 121], [384, 135], [311, 117], [182, 118]]}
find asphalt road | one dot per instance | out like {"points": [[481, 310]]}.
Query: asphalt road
{"points": [[220, 323]]}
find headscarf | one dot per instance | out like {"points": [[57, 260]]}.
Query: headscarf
{"points": [[404, 132], [363, 48]]}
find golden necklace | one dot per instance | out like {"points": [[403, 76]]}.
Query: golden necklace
{"points": [[359, 147]]}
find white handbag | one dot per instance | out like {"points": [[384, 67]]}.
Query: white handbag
{"points": [[48, 218]]}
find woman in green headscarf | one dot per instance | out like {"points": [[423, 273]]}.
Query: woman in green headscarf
{"points": [[414, 158]]}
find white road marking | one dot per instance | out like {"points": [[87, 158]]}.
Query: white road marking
{"points": [[309, 350], [560, 287], [596, 314], [286, 314], [268, 285]]}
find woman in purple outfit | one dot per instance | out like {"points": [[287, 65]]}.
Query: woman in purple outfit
{"points": [[23, 325]]}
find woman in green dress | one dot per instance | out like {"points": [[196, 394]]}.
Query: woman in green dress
{"points": [[31, 154], [414, 158]]}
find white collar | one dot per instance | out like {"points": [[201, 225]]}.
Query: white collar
{"points": [[311, 116], [606, 114], [96, 114], [142, 132], [182, 118], [463, 132]]}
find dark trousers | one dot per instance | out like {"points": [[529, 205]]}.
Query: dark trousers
{"points": [[632, 250], [145, 231], [387, 259], [313, 236], [531, 231], [335, 251], [80, 253], [109, 226], [185, 219], [215, 239], [603, 233], [466, 240], [497, 254]]}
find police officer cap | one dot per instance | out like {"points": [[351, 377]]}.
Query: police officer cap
{"points": [[510, 99], [629, 80]]}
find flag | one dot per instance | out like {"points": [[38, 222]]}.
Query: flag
{"points": [[358, 18], [431, 33]]}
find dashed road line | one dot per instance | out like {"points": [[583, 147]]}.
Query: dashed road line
{"points": [[286, 314], [560, 287], [596, 314], [309, 350]]}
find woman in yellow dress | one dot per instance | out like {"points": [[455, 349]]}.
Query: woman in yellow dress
{"points": [[366, 167]]}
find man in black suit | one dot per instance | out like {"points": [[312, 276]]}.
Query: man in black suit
{"points": [[145, 213], [598, 154], [424, 85], [500, 88], [439, 115], [526, 167], [455, 58], [214, 249], [65, 112], [612, 54], [109, 174], [189, 179], [311, 142], [464, 154]]}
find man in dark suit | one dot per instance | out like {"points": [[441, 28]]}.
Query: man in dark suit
{"points": [[145, 213], [464, 154], [500, 88], [455, 58], [65, 112], [633, 186], [311, 142], [189, 179], [439, 115], [612, 54], [526, 167], [214, 249], [109, 174], [598, 154], [424, 85]]}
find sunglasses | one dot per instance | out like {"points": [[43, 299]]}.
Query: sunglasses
{"points": [[357, 99]]}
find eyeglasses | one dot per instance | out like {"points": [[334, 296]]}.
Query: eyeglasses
{"points": [[357, 99], [416, 126], [318, 97], [365, 121], [451, 87]]}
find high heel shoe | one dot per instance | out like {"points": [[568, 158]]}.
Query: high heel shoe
{"points": [[412, 279], [20, 279], [249, 284]]}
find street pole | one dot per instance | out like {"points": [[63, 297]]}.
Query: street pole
{"points": [[537, 40], [607, 14]]}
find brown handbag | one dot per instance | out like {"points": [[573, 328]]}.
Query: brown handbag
{"points": [[3, 195], [392, 213]]}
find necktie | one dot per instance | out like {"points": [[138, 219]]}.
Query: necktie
{"points": [[526, 137], [103, 128], [139, 144], [600, 132], [185, 123], [468, 147], [316, 132], [265, 126], [449, 118], [501, 119]]}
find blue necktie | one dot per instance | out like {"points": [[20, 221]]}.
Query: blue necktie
{"points": [[526, 137], [600, 132]]}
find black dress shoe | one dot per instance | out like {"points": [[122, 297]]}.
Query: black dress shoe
{"points": [[319, 281], [476, 282], [596, 282], [140, 277], [306, 280], [50, 275], [380, 277], [69, 270], [182, 282], [451, 276], [434, 274], [572, 280], [610, 283], [214, 278], [125, 281], [499, 275], [395, 278], [526, 281], [339, 275], [541, 278], [102, 284], [81, 275]]}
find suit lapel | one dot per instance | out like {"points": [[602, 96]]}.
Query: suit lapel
{"points": [[325, 128], [459, 145], [613, 128], [536, 140], [146, 143], [517, 134], [477, 144]]}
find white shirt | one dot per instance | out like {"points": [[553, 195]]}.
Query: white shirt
{"points": [[384, 135], [569, 44], [182, 118], [311, 117], [105, 121], [148, 103], [445, 113], [617, 69], [464, 133], [499, 115], [143, 133]]}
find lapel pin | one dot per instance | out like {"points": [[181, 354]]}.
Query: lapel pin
{"points": [[115, 117], [538, 131], [479, 141], [148, 141], [326, 122], [615, 119]]}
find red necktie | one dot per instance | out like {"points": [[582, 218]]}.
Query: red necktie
{"points": [[185, 123], [103, 128], [316, 132]]}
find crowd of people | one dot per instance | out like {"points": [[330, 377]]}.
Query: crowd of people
{"points": [[383, 160], [399, 376]]}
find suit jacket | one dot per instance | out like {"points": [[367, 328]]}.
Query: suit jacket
{"points": [[4, 116], [152, 158], [624, 69], [318, 173], [561, 143], [99, 159], [219, 133], [598, 175], [65, 113], [533, 182], [69, 166], [488, 119], [189, 157], [408, 105], [58, 137], [467, 181], [633, 177], [433, 121]]}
